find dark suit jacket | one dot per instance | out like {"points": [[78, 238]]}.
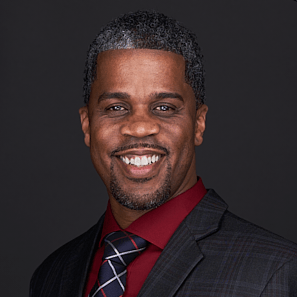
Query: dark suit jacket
{"points": [[212, 253]]}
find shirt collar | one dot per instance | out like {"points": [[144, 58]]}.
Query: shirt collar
{"points": [[159, 224]]}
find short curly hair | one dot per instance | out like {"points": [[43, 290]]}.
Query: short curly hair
{"points": [[148, 30]]}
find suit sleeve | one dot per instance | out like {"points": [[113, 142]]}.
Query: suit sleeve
{"points": [[283, 282]]}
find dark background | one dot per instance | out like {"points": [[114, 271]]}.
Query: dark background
{"points": [[50, 190]]}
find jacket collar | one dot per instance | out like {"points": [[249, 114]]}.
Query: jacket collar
{"points": [[205, 218], [182, 253]]}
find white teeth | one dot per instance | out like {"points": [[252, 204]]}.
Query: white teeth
{"points": [[127, 160], [144, 161], [137, 161], [141, 161]]}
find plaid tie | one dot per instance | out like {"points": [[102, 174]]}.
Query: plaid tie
{"points": [[121, 248]]}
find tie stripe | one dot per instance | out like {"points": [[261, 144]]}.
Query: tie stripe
{"points": [[121, 248], [117, 252], [126, 253], [117, 276]]}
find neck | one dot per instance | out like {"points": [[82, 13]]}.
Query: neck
{"points": [[123, 215]]}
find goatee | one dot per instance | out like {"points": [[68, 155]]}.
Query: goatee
{"points": [[140, 202]]}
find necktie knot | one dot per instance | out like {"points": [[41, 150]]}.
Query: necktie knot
{"points": [[121, 248]]}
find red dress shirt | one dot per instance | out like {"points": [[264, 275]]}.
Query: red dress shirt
{"points": [[155, 226]]}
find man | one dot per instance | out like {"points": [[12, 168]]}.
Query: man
{"points": [[144, 115]]}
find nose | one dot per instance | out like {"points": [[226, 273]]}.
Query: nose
{"points": [[140, 125]]}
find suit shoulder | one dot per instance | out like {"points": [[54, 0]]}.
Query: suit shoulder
{"points": [[67, 255], [71, 246], [258, 237]]}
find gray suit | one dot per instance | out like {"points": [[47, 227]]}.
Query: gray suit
{"points": [[212, 253]]}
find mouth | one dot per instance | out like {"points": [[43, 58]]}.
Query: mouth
{"points": [[146, 165]]}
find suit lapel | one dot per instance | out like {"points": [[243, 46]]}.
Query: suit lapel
{"points": [[182, 253], [178, 258]]}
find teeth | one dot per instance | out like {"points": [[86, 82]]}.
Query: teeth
{"points": [[144, 161], [141, 161], [127, 160], [137, 161]]}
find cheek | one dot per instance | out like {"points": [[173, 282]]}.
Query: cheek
{"points": [[102, 134], [182, 139], [101, 141]]}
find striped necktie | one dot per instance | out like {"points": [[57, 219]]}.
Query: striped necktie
{"points": [[121, 248]]}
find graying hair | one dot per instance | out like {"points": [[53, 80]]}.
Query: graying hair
{"points": [[148, 30]]}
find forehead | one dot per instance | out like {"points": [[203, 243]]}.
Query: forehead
{"points": [[146, 55], [133, 65]]}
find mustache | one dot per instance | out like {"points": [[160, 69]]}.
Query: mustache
{"points": [[139, 145]]}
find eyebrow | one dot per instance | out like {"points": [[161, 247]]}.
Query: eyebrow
{"points": [[123, 95], [165, 95], [114, 95]]}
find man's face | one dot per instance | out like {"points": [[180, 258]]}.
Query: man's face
{"points": [[142, 127]]}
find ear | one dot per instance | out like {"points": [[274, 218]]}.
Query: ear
{"points": [[85, 123], [200, 124]]}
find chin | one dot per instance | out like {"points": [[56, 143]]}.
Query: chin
{"points": [[138, 193]]}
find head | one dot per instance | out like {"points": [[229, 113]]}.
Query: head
{"points": [[145, 112], [148, 30]]}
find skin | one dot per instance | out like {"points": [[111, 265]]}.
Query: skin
{"points": [[142, 117]]}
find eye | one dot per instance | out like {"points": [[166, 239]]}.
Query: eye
{"points": [[164, 108], [116, 108]]}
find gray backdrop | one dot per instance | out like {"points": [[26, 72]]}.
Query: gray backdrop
{"points": [[50, 191]]}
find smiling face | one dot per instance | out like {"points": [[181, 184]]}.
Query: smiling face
{"points": [[142, 127]]}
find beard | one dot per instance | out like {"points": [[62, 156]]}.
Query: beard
{"points": [[137, 201]]}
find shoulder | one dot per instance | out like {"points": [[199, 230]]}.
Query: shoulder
{"points": [[245, 241], [251, 255], [256, 237], [71, 257], [264, 257], [239, 233], [69, 249], [241, 253]]}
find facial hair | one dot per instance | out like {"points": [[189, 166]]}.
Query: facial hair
{"points": [[141, 202]]}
